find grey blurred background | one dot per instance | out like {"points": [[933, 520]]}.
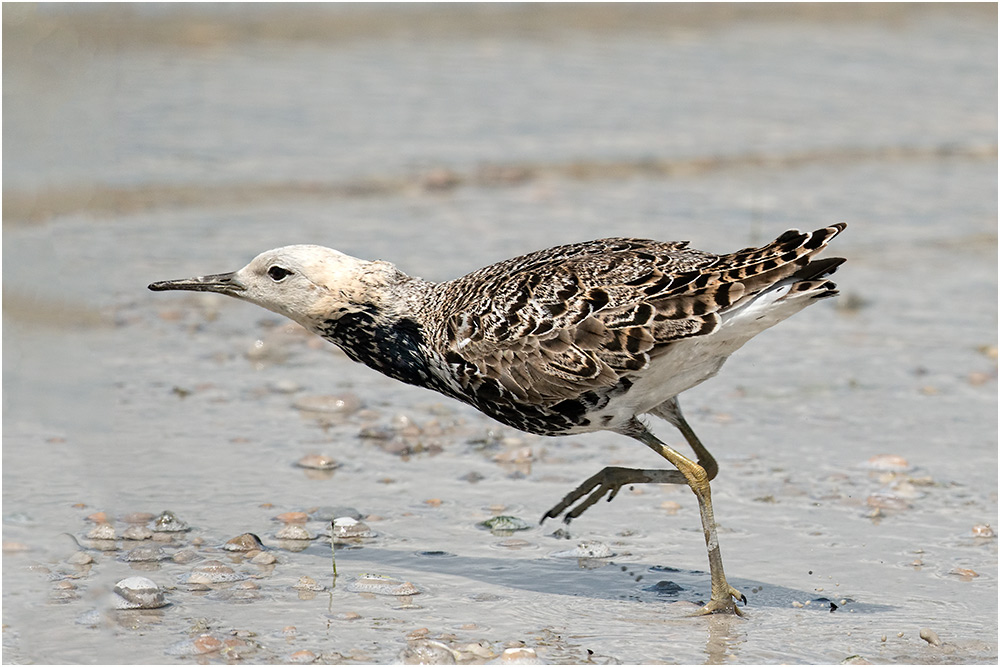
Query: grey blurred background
{"points": [[156, 141]]}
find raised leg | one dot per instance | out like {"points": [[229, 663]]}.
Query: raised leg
{"points": [[610, 480], [671, 411]]}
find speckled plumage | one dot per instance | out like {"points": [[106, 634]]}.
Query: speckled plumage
{"points": [[543, 341], [575, 338]]}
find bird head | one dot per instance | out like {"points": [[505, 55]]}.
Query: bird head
{"points": [[306, 283]]}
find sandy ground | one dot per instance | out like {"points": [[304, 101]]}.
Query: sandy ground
{"points": [[857, 441]]}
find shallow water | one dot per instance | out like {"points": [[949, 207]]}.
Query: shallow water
{"points": [[161, 147]]}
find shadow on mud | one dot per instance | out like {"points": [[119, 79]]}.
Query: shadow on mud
{"points": [[603, 578]]}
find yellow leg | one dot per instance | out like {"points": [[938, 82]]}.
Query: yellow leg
{"points": [[723, 595]]}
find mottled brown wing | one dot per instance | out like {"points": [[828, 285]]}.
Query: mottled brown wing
{"points": [[553, 324]]}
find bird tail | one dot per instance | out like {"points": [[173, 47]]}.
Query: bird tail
{"points": [[788, 256]]}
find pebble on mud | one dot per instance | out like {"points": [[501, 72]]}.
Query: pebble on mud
{"points": [[347, 527], [475, 652], [983, 530], [317, 462], [379, 584], [264, 558], [102, 531], [519, 656], [185, 556], [138, 593], [347, 616], [137, 533], [144, 554], [427, 652], [892, 462], [887, 501], [930, 636], [168, 523], [303, 657], [244, 542], [308, 584], [294, 532], [965, 574], [212, 572], [292, 517], [80, 558], [586, 549], [504, 524], [200, 645]]}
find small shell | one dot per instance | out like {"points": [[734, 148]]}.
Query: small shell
{"points": [[379, 584], [303, 657], [317, 462], [930, 637], [244, 542], [983, 530], [586, 549], [80, 558], [965, 573], [138, 593], [102, 531], [212, 572], [200, 645], [294, 532], [185, 556], [308, 584], [892, 462], [264, 558], [519, 656], [168, 523], [505, 524], [346, 527], [135, 532], [887, 501], [427, 652], [144, 554]]}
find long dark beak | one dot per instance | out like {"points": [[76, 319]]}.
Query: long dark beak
{"points": [[223, 283]]}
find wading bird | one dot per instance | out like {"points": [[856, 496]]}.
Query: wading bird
{"points": [[572, 339]]}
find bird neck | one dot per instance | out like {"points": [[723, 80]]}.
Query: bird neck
{"points": [[388, 334]]}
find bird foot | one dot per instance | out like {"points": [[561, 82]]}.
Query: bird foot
{"points": [[608, 481], [725, 605]]}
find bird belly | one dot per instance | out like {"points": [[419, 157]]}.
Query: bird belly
{"points": [[689, 362], [683, 366]]}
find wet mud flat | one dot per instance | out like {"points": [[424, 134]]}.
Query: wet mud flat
{"points": [[857, 498]]}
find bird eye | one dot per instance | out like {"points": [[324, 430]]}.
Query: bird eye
{"points": [[278, 273]]}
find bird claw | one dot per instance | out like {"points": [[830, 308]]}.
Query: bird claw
{"points": [[604, 482], [726, 605]]}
